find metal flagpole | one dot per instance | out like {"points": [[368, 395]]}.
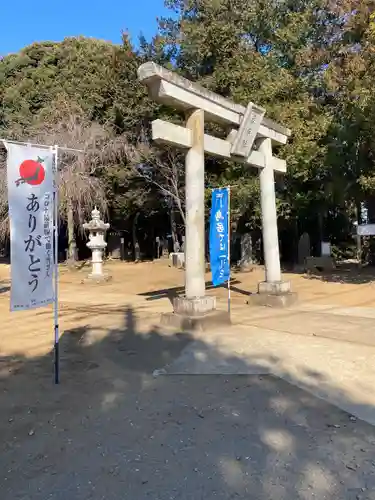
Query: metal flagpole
{"points": [[56, 271], [228, 215], [40, 145]]}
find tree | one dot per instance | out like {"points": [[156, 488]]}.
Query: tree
{"points": [[80, 187], [310, 63], [98, 106], [4, 214], [31, 80], [282, 55]]}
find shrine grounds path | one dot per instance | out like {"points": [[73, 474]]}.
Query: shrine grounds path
{"points": [[281, 405]]}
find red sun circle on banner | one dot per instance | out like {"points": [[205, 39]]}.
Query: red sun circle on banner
{"points": [[32, 172]]}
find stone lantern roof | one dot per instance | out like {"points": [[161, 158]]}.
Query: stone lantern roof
{"points": [[96, 223]]}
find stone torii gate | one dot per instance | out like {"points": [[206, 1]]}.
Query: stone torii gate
{"points": [[246, 127]]}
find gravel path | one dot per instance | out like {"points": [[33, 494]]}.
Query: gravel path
{"points": [[110, 433]]}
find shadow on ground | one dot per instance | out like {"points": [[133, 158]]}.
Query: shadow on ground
{"points": [[113, 431], [344, 273], [4, 286], [173, 292]]}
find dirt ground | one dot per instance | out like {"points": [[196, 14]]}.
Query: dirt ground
{"points": [[113, 431], [146, 289]]}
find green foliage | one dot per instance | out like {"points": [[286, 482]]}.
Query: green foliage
{"points": [[310, 63], [94, 76]]}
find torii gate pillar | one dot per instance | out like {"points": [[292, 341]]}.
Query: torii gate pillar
{"points": [[269, 216], [273, 291], [195, 309], [194, 232]]}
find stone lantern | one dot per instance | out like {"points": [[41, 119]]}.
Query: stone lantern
{"points": [[97, 229]]}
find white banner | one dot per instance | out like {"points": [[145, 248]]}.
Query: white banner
{"points": [[30, 176]]}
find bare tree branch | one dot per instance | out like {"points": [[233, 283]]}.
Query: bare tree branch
{"points": [[79, 187], [163, 169], [4, 215], [79, 181]]}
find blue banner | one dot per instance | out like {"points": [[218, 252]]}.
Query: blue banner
{"points": [[219, 233]]}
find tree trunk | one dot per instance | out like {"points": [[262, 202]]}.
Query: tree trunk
{"points": [[358, 238], [152, 244], [181, 210], [72, 245], [176, 245], [296, 240], [320, 231], [137, 250]]}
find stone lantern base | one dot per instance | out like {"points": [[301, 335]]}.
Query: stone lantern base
{"points": [[99, 278]]}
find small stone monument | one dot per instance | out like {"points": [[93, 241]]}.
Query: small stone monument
{"points": [[177, 259], [304, 249], [325, 249], [97, 229], [246, 261]]}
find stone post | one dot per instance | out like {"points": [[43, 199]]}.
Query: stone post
{"points": [[195, 237]]}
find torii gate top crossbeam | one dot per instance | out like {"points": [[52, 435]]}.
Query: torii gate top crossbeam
{"points": [[168, 88]]}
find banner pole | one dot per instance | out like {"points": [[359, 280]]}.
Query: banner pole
{"points": [[56, 273], [228, 215], [31, 144]]}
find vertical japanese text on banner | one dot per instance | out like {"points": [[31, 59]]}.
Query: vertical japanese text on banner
{"points": [[219, 234], [30, 196]]}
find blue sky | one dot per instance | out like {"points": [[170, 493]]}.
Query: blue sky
{"points": [[27, 21]]}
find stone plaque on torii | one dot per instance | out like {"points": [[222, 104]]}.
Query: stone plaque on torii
{"points": [[246, 126]]}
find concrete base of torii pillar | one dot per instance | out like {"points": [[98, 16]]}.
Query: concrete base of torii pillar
{"points": [[195, 314], [273, 292], [276, 294], [195, 310]]}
